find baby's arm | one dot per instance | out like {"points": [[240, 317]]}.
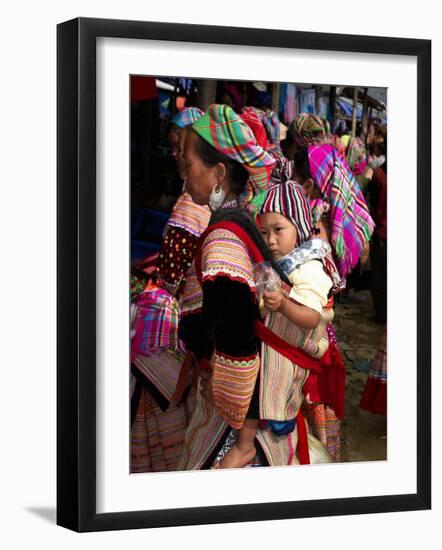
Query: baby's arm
{"points": [[299, 315]]}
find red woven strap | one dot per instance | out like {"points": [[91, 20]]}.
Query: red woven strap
{"points": [[296, 355], [303, 452]]}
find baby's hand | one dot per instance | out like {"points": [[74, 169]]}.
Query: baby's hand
{"points": [[273, 300]]}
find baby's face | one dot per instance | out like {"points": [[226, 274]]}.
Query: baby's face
{"points": [[279, 233]]}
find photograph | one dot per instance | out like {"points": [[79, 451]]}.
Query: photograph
{"points": [[222, 350], [223, 298], [258, 273]]}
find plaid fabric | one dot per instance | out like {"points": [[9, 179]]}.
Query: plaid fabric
{"points": [[138, 282], [350, 222], [308, 129], [356, 155], [268, 119], [255, 123], [157, 327], [272, 126], [187, 116], [288, 199], [224, 130]]}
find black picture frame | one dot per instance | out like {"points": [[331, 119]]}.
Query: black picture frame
{"points": [[76, 273]]}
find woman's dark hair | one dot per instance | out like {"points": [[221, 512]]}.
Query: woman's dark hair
{"points": [[302, 163], [237, 174]]}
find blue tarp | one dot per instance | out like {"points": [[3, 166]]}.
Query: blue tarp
{"points": [[348, 108]]}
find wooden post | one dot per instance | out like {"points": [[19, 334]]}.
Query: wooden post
{"points": [[206, 94], [365, 116], [332, 108], [275, 97], [317, 90], [353, 119]]}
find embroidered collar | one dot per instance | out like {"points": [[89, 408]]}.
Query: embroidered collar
{"points": [[313, 249]]}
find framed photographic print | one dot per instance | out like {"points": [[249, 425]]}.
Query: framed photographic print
{"points": [[201, 379]]}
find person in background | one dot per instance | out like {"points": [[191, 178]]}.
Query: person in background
{"points": [[377, 191], [342, 218], [308, 129], [262, 102], [161, 409], [357, 159]]}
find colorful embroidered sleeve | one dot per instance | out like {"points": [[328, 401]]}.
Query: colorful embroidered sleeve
{"points": [[229, 314], [225, 254]]}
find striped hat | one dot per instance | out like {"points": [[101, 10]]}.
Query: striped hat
{"points": [[287, 198], [224, 130], [187, 116]]}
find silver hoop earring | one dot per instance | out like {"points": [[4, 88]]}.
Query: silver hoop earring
{"points": [[217, 197]]}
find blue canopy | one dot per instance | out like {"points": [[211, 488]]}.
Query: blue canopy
{"points": [[347, 106]]}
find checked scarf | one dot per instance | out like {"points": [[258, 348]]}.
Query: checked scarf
{"points": [[350, 222], [308, 129], [187, 116], [224, 130]]}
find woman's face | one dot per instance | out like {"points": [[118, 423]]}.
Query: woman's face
{"points": [[279, 233], [200, 179], [176, 141]]}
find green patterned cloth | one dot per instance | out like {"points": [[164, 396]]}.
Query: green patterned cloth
{"points": [[224, 130]]}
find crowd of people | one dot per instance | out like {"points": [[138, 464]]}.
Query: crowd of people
{"points": [[234, 359]]}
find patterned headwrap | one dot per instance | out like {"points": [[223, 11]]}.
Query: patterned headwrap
{"points": [[288, 199], [252, 119], [356, 155], [270, 121], [350, 222], [272, 126], [308, 129], [224, 130], [282, 169], [187, 116]]}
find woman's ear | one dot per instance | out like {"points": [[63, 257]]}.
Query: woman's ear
{"points": [[311, 190], [309, 187], [220, 172]]}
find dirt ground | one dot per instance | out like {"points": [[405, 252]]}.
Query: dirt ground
{"points": [[363, 434]]}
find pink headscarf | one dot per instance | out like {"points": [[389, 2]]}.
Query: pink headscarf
{"points": [[350, 222]]}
